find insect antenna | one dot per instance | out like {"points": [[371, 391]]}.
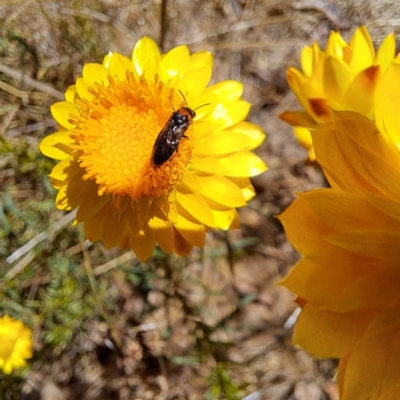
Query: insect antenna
{"points": [[184, 98], [203, 105], [172, 104]]}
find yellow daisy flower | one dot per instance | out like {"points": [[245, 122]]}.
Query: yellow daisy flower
{"points": [[343, 77], [135, 188], [348, 281], [16, 344]]}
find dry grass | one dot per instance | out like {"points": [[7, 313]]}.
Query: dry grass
{"points": [[106, 326]]}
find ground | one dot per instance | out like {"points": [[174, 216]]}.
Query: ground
{"points": [[214, 325]]}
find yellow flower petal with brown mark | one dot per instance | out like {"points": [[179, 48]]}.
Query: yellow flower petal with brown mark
{"points": [[342, 77], [348, 281]]}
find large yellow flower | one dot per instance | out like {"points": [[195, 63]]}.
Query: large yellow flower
{"points": [[109, 125], [15, 344], [348, 281], [343, 77]]}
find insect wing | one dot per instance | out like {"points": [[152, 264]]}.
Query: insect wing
{"points": [[162, 150], [168, 139]]}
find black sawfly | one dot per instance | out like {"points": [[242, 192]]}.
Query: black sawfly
{"points": [[167, 142]]}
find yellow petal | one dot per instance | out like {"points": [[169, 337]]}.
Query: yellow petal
{"points": [[373, 290], [319, 280], [386, 53], [103, 225], [193, 207], [16, 344], [198, 75], [297, 118], [380, 344], [386, 206], [311, 154], [306, 60], [254, 134], [245, 186], [306, 234], [360, 93], [242, 136], [221, 190], [119, 66], [192, 232], [227, 142], [163, 233], [320, 108], [94, 225], [202, 60], [167, 204], [225, 91], [337, 76], [56, 145], [371, 153], [318, 63], [302, 88], [381, 244], [174, 63], [92, 202], [390, 393], [62, 112], [335, 45], [146, 58], [189, 183], [142, 244], [334, 279], [114, 230], [138, 216], [181, 245], [228, 114], [387, 102], [356, 156], [363, 50], [106, 59], [92, 72], [205, 128], [82, 86], [305, 139], [353, 209], [71, 195], [243, 164], [62, 202], [74, 192], [61, 170], [208, 165], [228, 219], [70, 94], [334, 333]]}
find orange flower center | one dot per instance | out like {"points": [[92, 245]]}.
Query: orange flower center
{"points": [[115, 134]]}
